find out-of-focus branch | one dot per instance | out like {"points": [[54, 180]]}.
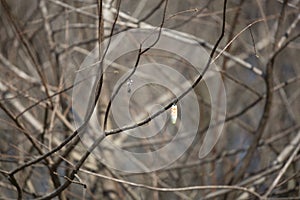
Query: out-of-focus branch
{"points": [[29, 49], [266, 111], [291, 150], [209, 187]]}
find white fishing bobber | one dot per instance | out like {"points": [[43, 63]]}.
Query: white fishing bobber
{"points": [[174, 113]]}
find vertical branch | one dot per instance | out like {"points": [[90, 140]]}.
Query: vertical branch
{"points": [[100, 24], [267, 107], [231, 33], [53, 57]]}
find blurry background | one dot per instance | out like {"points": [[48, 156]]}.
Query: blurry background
{"points": [[43, 43]]}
